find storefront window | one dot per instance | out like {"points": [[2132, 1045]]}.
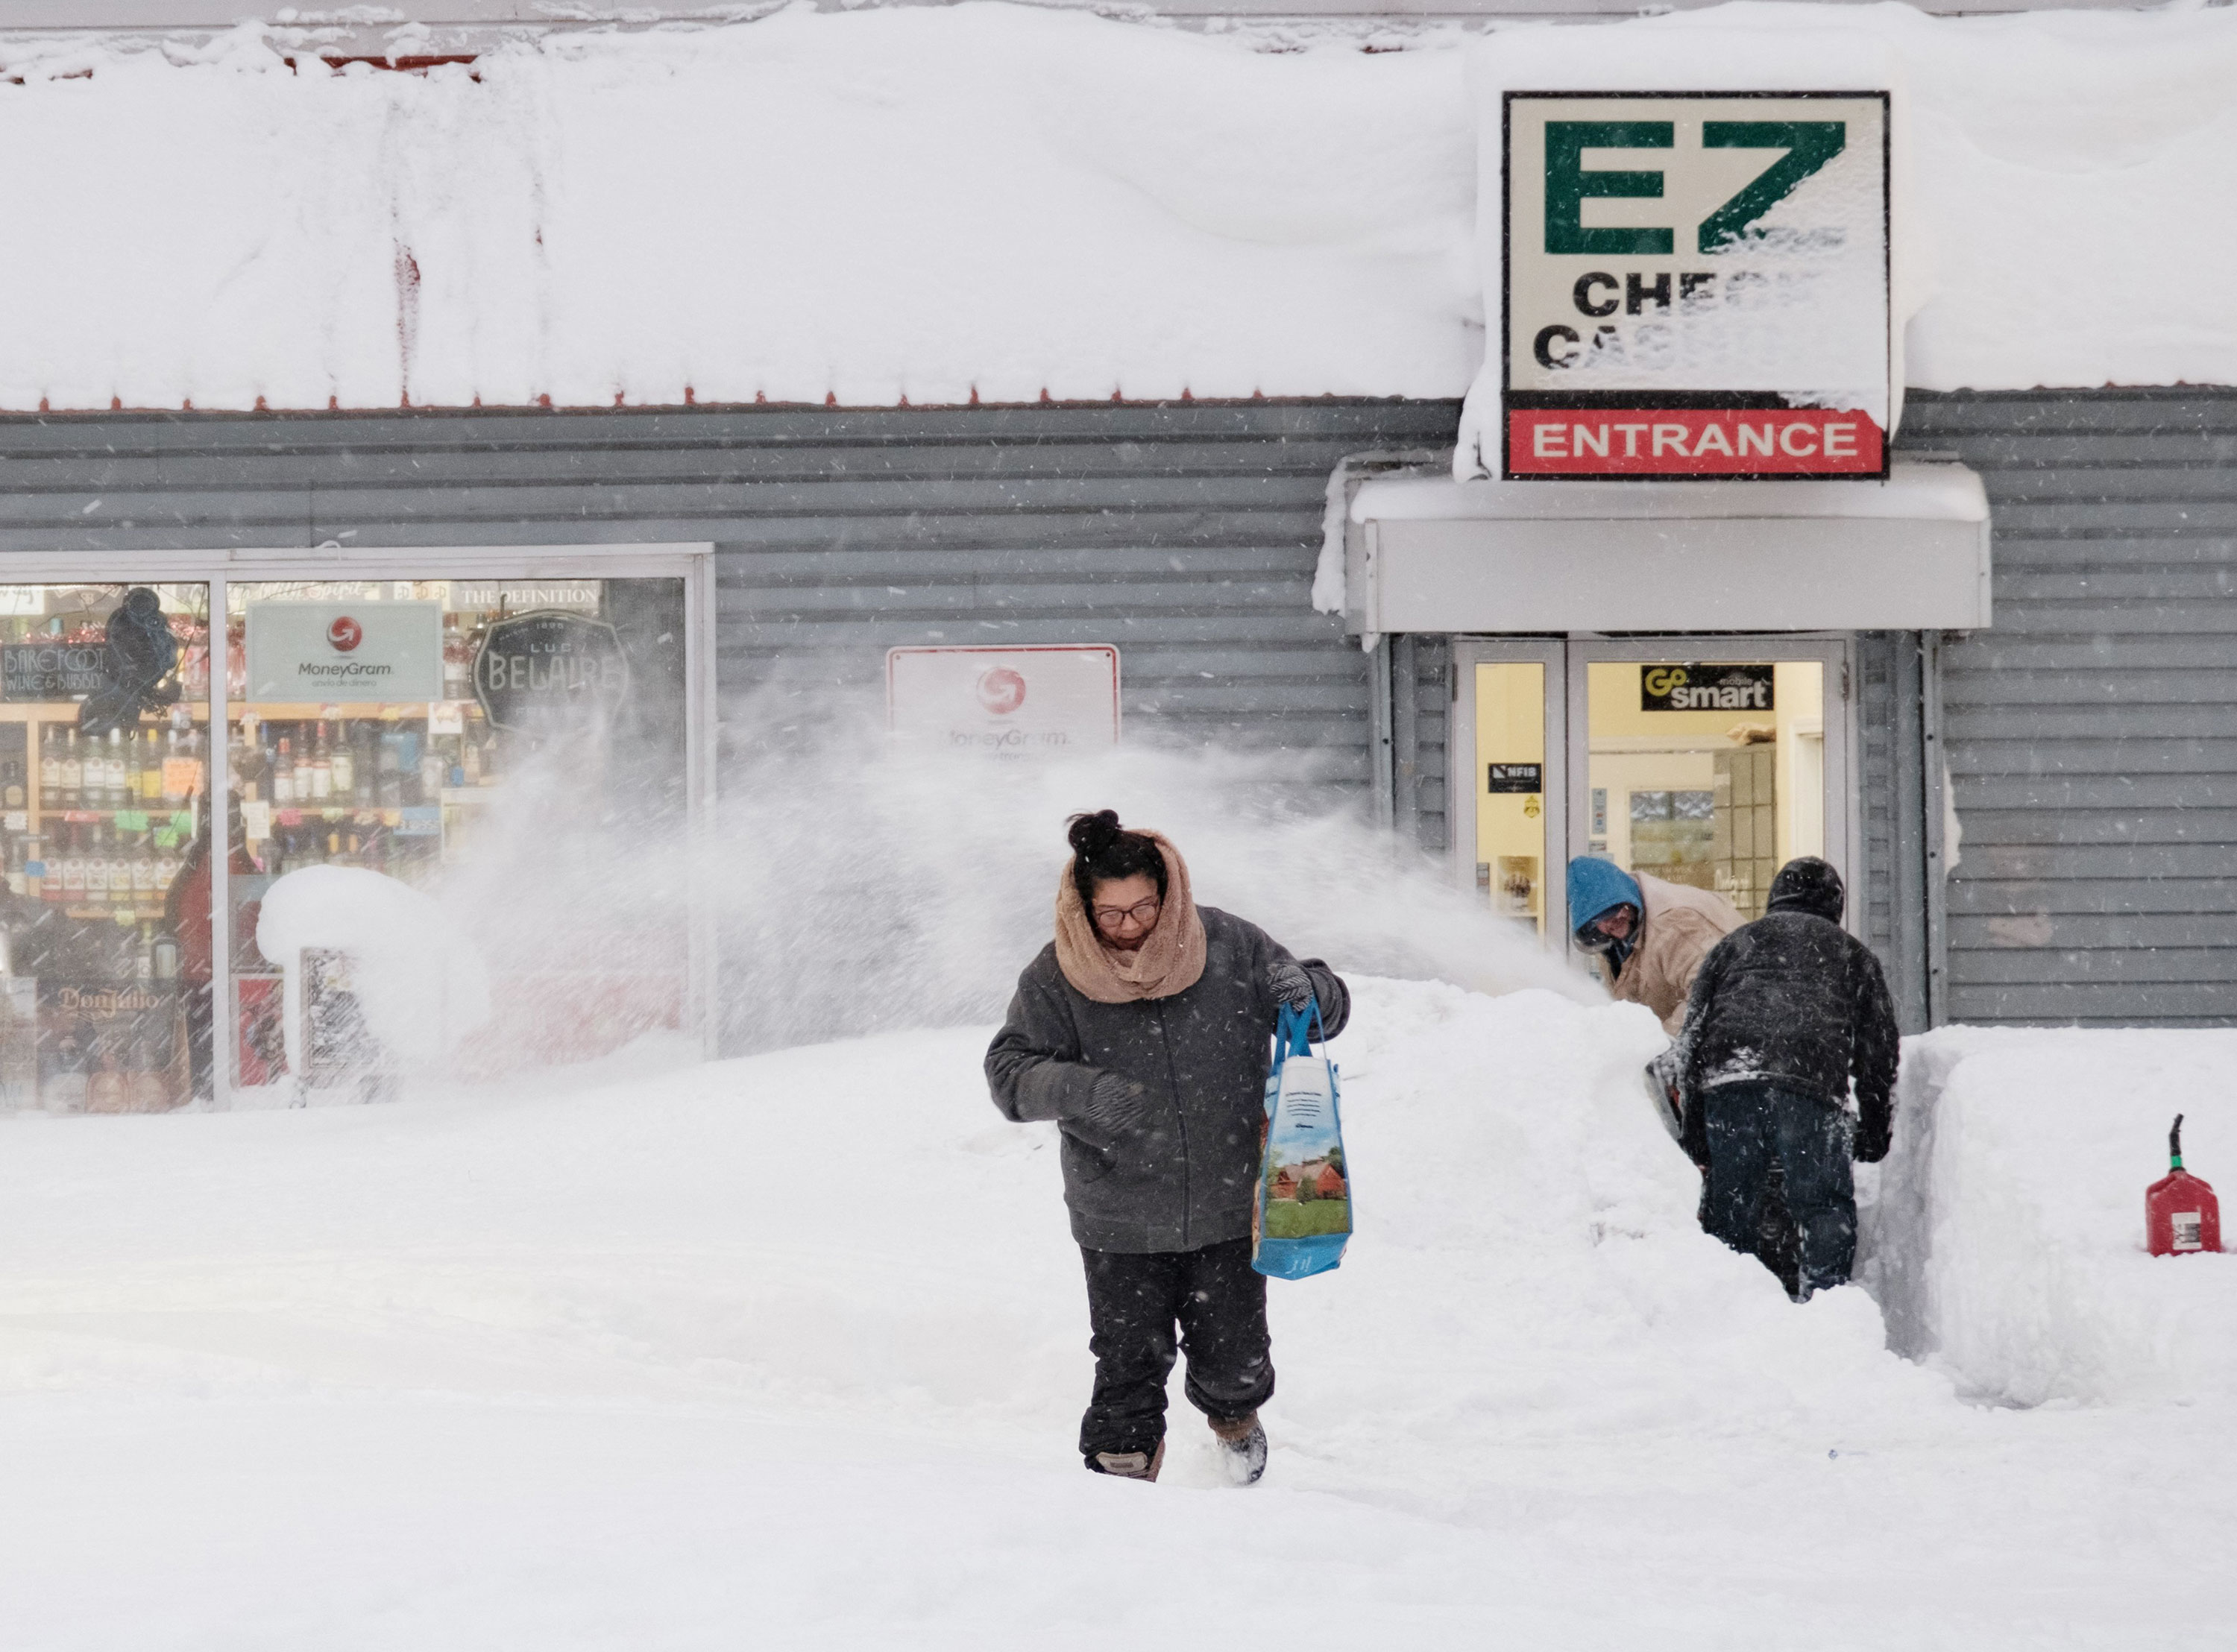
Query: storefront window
{"points": [[1711, 775], [514, 750], [105, 954]]}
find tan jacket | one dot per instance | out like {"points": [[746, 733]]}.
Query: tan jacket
{"points": [[1676, 932]]}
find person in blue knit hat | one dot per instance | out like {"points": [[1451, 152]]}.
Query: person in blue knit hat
{"points": [[1652, 935]]}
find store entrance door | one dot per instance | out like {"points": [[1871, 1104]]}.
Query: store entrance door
{"points": [[1707, 761]]}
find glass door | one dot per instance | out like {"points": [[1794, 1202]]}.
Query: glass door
{"points": [[1510, 765], [1711, 762], [1704, 761]]}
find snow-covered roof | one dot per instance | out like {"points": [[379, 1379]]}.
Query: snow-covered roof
{"points": [[993, 202]]}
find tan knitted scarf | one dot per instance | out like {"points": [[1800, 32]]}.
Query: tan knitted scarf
{"points": [[1170, 961]]}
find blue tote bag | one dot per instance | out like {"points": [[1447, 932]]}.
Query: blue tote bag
{"points": [[1301, 1214]]}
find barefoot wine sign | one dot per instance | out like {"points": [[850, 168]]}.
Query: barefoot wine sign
{"points": [[1695, 283]]}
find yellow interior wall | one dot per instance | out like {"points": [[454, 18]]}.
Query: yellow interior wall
{"points": [[1798, 694], [1510, 728]]}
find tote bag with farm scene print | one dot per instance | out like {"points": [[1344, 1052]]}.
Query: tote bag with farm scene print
{"points": [[1301, 1217]]}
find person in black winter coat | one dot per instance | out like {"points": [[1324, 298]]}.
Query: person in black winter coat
{"points": [[1787, 1015], [1144, 1030]]}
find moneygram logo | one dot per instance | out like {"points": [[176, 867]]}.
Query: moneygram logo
{"points": [[1001, 690], [345, 634]]}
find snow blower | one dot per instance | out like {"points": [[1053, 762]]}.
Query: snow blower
{"points": [[2180, 1213]]}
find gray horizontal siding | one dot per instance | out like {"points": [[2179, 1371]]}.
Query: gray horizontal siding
{"points": [[2090, 739], [1185, 533]]}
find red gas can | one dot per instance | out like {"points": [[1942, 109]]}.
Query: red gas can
{"points": [[2180, 1213]]}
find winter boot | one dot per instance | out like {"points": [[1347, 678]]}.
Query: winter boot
{"points": [[1241, 1447], [1130, 1466]]}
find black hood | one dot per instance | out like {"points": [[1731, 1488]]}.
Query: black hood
{"points": [[1808, 885]]}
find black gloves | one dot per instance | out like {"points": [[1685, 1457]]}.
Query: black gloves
{"points": [[1874, 1137], [1289, 984], [1115, 1106]]}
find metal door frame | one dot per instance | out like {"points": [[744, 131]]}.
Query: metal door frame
{"points": [[1470, 651], [1568, 757]]}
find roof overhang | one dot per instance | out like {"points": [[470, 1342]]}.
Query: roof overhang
{"points": [[1910, 553]]}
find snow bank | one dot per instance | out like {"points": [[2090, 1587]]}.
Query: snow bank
{"points": [[2008, 1239], [931, 203]]}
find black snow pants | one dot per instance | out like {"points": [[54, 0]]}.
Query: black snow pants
{"points": [[1134, 1301], [1755, 1129]]}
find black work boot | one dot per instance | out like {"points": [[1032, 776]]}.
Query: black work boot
{"points": [[1241, 1447]]}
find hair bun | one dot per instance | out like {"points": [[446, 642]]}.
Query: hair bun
{"points": [[1092, 835]]}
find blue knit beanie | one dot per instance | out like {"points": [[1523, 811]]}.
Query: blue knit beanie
{"points": [[1598, 886]]}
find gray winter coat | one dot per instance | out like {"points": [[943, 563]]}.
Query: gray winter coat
{"points": [[1183, 1179]]}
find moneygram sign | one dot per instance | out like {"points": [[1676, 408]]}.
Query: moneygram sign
{"points": [[344, 651], [1696, 283]]}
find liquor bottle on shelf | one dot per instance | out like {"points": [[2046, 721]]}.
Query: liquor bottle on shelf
{"points": [[470, 761], [50, 767], [457, 660], [120, 872], [135, 777], [11, 786], [322, 768], [44, 880], [73, 868], [93, 871], [146, 891], [19, 880], [342, 769], [434, 774], [388, 772], [283, 775], [247, 769], [151, 769], [73, 772], [365, 759], [113, 772]]}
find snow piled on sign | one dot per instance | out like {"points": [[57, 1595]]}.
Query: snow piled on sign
{"points": [[2008, 1241], [932, 203], [790, 1351]]}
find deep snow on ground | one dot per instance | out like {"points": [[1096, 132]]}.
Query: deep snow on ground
{"points": [[788, 1350], [932, 203]]}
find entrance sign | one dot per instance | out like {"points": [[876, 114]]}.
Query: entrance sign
{"points": [[1696, 283], [1010, 703], [372, 650]]}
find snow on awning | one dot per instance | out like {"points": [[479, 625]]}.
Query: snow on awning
{"points": [[1430, 554]]}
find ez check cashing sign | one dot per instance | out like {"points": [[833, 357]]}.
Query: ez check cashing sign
{"points": [[1696, 283]]}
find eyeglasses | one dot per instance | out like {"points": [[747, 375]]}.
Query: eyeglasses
{"points": [[1142, 911]]}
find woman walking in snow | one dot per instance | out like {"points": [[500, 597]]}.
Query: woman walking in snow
{"points": [[1143, 1030]]}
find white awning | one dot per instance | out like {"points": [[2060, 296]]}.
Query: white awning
{"points": [[1911, 553]]}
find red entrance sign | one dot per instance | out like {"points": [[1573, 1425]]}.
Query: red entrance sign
{"points": [[1691, 441]]}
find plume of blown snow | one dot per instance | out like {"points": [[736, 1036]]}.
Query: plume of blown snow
{"points": [[861, 886]]}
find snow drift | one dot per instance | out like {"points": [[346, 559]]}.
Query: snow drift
{"points": [[935, 203], [2007, 1240]]}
